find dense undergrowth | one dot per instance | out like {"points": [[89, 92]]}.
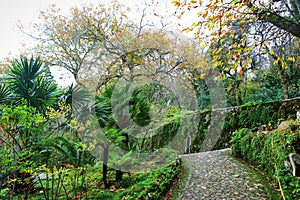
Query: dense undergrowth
{"points": [[86, 183], [268, 152]]}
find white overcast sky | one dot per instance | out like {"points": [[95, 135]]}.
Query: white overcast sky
{"points": [[27, 11]]}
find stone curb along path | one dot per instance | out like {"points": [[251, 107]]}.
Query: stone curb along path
{"points": [[217, 175]]}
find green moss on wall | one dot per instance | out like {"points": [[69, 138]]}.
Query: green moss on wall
{"points": [[247, 116]]}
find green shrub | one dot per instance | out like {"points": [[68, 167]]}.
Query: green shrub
{"points": [[156, 185], [268, 153]]}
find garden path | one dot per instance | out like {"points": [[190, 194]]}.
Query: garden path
{"points": [[217, 175]]}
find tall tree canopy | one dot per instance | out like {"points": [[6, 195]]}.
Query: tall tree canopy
{"points": [[219, 20], [99, 43], [245, 35]]}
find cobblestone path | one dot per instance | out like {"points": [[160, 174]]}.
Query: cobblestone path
{"points": [[217, 175]]}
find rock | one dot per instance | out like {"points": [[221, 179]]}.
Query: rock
{"points": [[40, 177], [284, 125], [287, 164], [295, 162]]}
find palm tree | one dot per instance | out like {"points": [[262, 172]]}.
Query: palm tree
{"points": [[103, 108], [5, 94], [139, 112], [30, 79]]}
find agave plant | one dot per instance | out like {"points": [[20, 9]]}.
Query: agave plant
{"points": [[31, 80]]}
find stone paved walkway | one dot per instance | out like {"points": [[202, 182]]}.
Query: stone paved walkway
{"points": [[216, 175]]}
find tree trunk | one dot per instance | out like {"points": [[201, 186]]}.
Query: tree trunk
{"points": [[284, 23], [285, 89], [283, 78], [238, 94], [119, 175], [239, 98], [104, 166]]}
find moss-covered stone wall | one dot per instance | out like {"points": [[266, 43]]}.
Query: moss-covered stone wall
{"points": [[247, 116]]}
